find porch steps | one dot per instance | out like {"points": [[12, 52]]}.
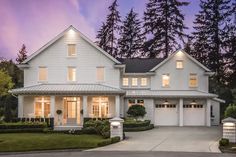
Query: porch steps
{"points": [[68, 127]]}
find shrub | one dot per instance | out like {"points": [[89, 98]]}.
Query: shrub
{"points": [[224, 142], [89, 130], [115, 139], [143, 128], [133, 124], [104, 143], [230, 111], [101, 127], [136, 111], [23, 125]]}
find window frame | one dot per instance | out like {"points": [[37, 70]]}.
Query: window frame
{"points": [[39, 73], [100, 67], [132, 82], [177, 64], [127, 81], [68, 50], [162, 83], [68, 74], [141, 81], [196, 76], [42, 101]]}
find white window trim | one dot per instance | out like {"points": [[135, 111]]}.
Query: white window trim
{"points": [[162, 80], [100, 108], [123, 82], [42, 81], [182, 64], [43, 104], [132, 81], [67, 75], [67, 48], [190, 86], [104, 74], [141, 82]]}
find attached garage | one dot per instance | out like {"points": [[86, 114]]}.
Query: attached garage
{"points": [[166, 115], [194, 115]]}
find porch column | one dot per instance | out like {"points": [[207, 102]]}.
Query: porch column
{"points": [[117, 104], [181, 114], [20, 106], [208, 112], [52, 106], [85, 107]]}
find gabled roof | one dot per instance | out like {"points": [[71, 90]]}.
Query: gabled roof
{"points": [[190, 57], [61, 35], [139, 65]]}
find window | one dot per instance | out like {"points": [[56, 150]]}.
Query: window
{"points": [[71, 50], [193, 80], [125, 81], [187, 106], [71, 74], [100, 107], [160, 106], [43, 74], [179, 65], [198, 106], [143, 81], [134, 81], [100, 74], [165, 80], [42, 107], [171, 106], [131, 102], [140, 102]]}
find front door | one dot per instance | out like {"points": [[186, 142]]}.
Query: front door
{"points": [[71, 112]]}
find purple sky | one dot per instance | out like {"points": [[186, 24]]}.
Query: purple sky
{"points": [[35, 22]]}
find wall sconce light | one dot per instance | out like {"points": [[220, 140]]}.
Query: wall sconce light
{"points": [[193, 102], [166, 101]]}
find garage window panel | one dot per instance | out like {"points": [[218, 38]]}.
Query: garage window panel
{"points": [[160, 106], [198, 106], [187, 106]]}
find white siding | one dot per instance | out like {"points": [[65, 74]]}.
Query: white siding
{"points": [[216, 112]]}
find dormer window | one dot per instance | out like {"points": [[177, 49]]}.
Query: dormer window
{"points": [[179, 64], [71, 50]]}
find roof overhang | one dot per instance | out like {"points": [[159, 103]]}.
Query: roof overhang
{"points": [[23, 66], [139, 74], [209, 73], [219, 100]]}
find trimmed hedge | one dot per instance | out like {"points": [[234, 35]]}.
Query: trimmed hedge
{"points": [[109, 141], [100, 127], [135, 124], [143, 128], [26, 130], [224, 142], [22, 125]]}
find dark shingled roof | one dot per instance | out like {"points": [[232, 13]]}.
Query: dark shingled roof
{"points": [[139, 65]]}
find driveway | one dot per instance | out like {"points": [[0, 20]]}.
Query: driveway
{"points": [[184, 139]]}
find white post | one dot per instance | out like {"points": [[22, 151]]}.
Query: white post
{"points": [[117, 102], [20, 106], [52, 106], [208, 112], [181, 113], [85, 111]]}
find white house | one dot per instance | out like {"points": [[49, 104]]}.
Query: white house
{"points": [[70, 73]]}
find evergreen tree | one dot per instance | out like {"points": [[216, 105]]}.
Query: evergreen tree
{"points": [[163, 22], [188, 46], [107, 35], [131, 37], [22, 54]]}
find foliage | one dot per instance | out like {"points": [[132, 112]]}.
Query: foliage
{"points": [[133, 123], [22, 55], [109, 141], [5, 83], [141, 128], [224, 142], [23, 125], [230, 111], [59, 112], [136, 111], [101, 127]]}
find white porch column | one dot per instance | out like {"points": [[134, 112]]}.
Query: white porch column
{"points": [[208, 112], [181, 113], [20, 106], [117, 104], [52, 106], [85, 106]]}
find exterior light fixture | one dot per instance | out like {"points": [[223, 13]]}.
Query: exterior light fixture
{"points": [[166, 101], [193, 102]]}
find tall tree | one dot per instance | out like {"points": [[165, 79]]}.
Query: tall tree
{"points": [[110, 30], [164, 25], [131, 37], [22, 54]]}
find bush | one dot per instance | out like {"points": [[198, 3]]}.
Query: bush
{"points": [[26, 130], [101, 127], [133, 124], [136, 111], [23, 125], [224, 142], [115, 139], [230, 111], [109, 141], [89, 130], [143, 128]]}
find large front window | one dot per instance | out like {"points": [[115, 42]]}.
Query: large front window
{"points": [[100, 107], [42, 107], [71, 74]]}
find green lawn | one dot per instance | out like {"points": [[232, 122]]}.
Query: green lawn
{"points": [[41, 141]]}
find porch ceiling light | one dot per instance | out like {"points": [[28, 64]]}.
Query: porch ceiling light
{"points": [[166, 102], [193, 102]]}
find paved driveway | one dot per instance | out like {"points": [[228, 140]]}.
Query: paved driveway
{"points": [[184, 139]]}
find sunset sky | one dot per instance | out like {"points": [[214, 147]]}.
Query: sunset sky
{"points": [[35, 22]]}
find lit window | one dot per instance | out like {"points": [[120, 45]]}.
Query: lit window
{"points": [[179, 65], [131, 102], [193, 80], [165, 80], [71, 74], [143, 81], [125, 81], [71, 50], [43, 74], [42, 107], [100, 107], [100, 73], [140, 102], [134, 81]]}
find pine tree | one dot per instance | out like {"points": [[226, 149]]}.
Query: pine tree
{"points": [[107, 35], [131, 37], [22, 54], [163, 22], [188, 46]]}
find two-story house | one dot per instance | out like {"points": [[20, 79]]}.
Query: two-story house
{"points": [[70, 73]]}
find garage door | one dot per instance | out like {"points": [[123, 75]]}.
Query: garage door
{"points": [[166, 115], [194, 115]]}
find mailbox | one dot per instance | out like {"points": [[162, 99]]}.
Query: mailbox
{"points": [[116, 127], [229, 129]]}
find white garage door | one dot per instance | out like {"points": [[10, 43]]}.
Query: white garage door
{"points": [[194, 115], [166, 115]]}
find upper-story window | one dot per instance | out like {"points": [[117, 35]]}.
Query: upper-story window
{"points": [[125, 81], [193, 80], [71, 76], [134, 81], [143, 82], [100, 74], [179, 64], [71, 50], [43, 74], [165, 80]]}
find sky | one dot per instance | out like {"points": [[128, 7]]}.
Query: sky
{"points": [[35, 22]]}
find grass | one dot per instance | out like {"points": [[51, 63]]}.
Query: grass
{"points": [[40, 141], [231, 148]]}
